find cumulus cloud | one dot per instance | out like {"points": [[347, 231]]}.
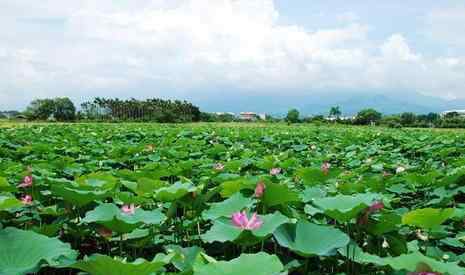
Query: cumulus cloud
{"points": [[85, 48]]}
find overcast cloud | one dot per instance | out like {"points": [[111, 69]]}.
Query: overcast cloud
{"points": [[173, 48]]}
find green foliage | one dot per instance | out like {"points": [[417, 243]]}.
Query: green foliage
{"points": [[40, 109], [427, 218], [257, 264], [335, 112], [224, 231], [8, 202], [343, 207], [407, 119], [61, 109], [104, 265], [110, 216], [155, 109], [227, 207], [293, 116], [412, 262], [308, 239], [367, 116], [24, 252], [64, 109], [398, 194]]}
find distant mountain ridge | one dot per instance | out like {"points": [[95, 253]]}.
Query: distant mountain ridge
{"points": [[320, 103]]}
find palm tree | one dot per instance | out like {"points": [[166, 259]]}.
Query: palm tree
{"points": [[335, 112]]}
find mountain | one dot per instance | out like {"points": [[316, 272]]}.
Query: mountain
{"points": [[320, 102]]}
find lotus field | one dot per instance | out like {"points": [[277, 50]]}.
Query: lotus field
{"points": [[232, 199]]}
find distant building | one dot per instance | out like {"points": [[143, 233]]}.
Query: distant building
{"points": [[225, 113], [332, 118], [262, 116], [249, 116]]}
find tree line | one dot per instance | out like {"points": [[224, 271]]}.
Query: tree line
{"points": [[156, 110], [177, 111], [371, 116], [104, 109]]}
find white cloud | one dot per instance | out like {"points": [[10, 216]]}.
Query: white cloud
{"points": [[397, 49], [446, 26], [101, 47]]}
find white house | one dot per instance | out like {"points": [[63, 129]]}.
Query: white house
{"points": [[225, 113], [248, 116]]}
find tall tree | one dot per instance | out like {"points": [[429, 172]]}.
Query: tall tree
{"points": [[40, 109], [407, 119], [335, 112], [64, 109], [293, 116], [368, 116]]}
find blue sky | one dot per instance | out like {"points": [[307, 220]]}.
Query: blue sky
{"points": [[197, 49]]}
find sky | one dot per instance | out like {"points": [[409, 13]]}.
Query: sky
{"points": [[198, 49]]}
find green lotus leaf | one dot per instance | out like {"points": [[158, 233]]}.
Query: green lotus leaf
{"points": [[174, 192], [308, 239], [312, 176], [8, 202], [343, 208], [270, 223], [279, 194], [410, 262], [23, 252], [79, 195], [5, 186], [311, 193], [148, 187], [256, 264], [105, 265], [226, 208], [356, 254], [129, 197], [404, 262], [231, 187], [186, 257], [110, 216], [427, 218], [386, 222], [98, 180], [223, 230], [134, 235]]}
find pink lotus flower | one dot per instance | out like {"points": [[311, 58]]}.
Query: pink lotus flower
{"points": [[325, 167], [240, 220], [260, 189], [128, 209], [27, 182], [275, 171], [26, 200], [376, 206], [218, 166]]}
